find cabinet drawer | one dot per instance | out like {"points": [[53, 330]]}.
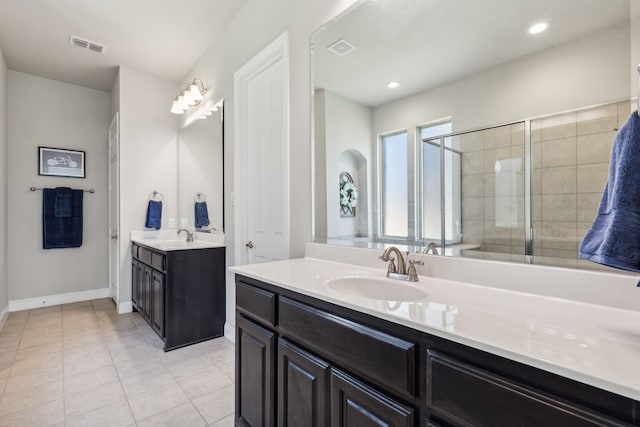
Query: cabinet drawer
{"points": [[256, 302], [470, 396], [144, 255], [370, 352], [157, 261]]}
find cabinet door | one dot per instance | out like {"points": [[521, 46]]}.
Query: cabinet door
{"points": [[135, 284], [145, 291], [157, 302], [303, 382], [142, 299], [255, 376], [354, 404]]}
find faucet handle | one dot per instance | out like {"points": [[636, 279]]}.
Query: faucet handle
{"points": [[411, 271]]}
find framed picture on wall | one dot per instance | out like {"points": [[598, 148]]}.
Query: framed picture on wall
{"points": [[61, 162]]}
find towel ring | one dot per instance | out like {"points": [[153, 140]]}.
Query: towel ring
{"points": [[200, 197], [153, 195]]}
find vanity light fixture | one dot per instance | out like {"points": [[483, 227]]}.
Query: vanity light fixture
{"points": [[538, 27], [393, 85], [210, 110], [189, 97]]}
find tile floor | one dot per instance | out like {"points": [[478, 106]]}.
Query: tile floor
{"points": [[82, 364]]}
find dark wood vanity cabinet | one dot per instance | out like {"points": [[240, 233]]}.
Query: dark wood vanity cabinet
{"points": [[181, 294], [303, 385], [305, 362], [255, 374]]}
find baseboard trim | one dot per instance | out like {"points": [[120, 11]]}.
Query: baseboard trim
{"points": [[230, 331], [125, 307], [45, 301], [3, 315]]}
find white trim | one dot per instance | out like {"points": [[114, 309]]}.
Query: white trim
{"points": [[45, 301], [115, 124], [230, 331], [276, 51], [125, 307], [3, 315]]}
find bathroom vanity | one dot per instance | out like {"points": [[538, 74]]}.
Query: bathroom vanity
{"points": [[179, 289], [315, 347]]}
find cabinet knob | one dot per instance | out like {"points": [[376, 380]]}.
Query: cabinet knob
{"points": [[249, 244]]}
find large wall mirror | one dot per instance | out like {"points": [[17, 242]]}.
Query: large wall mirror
{"points": [[201, 173], [483, 126]]}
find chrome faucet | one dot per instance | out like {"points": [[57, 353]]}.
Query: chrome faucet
{"points": [[189, 234], [400, 272], [430, 247], [386, 257]]}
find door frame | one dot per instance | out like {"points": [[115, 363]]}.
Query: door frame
{"points": [[115, 122], [278, 50]]}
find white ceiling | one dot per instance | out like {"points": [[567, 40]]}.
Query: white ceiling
{"points": [[426, 43], [161, 37]]}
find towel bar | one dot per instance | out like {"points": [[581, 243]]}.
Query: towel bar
{"points": [[86, 191]]}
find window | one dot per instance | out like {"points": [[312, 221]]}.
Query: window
{"points": [[394, 185]]}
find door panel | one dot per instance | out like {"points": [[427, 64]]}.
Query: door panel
{"points": [[114, 209]]}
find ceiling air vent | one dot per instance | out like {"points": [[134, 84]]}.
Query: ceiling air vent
{"points": [[86, 44], [341, 47]]}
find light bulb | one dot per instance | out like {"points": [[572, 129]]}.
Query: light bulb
{"points": [[194, 92], [175, 107]]}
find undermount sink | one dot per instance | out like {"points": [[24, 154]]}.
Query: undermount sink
{"points": [[377, 288]]}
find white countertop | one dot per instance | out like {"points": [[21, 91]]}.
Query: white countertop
{"points": [[169, 240], [593, 344], [176, 245]]}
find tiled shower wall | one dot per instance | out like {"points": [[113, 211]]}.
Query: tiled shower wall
{"points": [[570, 160], [571, 154]]}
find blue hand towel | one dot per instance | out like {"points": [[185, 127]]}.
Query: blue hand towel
{"points": [[202, 214], [61, 218], [63, 202], [154, 214], [614, 237]]}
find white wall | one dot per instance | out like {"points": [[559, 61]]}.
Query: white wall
{"points": [[589, 71], [4, 142], [348, 127], [45, 112], [148, 156], [252, 29]]}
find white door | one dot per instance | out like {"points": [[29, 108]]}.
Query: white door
{"points": [[262, 178], [114, 220]]}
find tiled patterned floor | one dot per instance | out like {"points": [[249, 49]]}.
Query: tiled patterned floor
{"points": [[82, 364]]}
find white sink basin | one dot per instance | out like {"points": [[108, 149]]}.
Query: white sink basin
{"points": [[377, 288]]}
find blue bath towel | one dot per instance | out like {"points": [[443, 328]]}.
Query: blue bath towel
{"points": [[614, 237], [202, 214], [61, 218], [154, 215]]}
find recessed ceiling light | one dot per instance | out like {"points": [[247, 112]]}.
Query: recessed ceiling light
{"points": [[393, 85], [538, 27]]}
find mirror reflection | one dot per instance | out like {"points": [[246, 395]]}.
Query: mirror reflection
{"points": [[200, 173], [482, 127]]}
